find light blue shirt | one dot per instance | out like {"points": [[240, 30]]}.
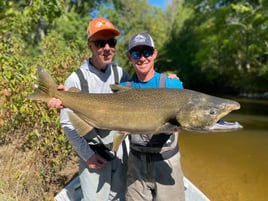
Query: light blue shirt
{"points": [[155, 82]]}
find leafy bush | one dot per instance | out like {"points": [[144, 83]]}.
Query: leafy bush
{"points": [[32, 126]]}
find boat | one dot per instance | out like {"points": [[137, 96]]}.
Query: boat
{"points": [[73, 192], [192, 193]]}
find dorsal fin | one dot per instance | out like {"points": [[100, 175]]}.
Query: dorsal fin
{"points": [[74, 89], [118, 88]]}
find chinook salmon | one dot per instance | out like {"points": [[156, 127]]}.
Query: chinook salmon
{"points": [[130, 110]]}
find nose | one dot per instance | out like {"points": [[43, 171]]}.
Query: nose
{"points": [[107, 46], [142, 57]]}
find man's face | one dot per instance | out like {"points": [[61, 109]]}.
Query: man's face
{"points": [[142, 58], [103, 49]]}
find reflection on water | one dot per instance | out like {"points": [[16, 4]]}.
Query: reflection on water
{"points": [[231, 166]]}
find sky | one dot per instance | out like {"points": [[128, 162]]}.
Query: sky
{"points": [[160, 3]]}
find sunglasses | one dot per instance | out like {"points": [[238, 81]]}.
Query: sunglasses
{"points": [[137, 54], [102, 43]]}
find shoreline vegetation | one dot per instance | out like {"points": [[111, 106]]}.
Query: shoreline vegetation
{"points": [[21, 179], [254, 95]]}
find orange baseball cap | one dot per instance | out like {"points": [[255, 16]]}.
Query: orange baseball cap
{"points": [[101, 25]]}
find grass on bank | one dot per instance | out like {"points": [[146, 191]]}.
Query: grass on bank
{"points": [[21, 178]]}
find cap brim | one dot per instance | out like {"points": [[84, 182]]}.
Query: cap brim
{"points": [[105, 33], [140, 45]]}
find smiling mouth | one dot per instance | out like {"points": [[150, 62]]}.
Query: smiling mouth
{"points": [[107, 55], [141, 63]]}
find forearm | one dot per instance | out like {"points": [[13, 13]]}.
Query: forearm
{"points": [[78, 142]]}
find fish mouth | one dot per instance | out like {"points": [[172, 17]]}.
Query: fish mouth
{"points": [[220, 126], [225, 126], [236, 106]]}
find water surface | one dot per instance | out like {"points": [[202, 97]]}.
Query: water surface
{"points": [[231, 166]]}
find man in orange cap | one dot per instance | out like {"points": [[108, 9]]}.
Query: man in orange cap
{"points": [[102, 175]]}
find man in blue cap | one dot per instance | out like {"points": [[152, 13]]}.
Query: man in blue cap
{"points": [[154, 168]]}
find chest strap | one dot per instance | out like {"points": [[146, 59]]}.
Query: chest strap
{"points": [[84, 83]]}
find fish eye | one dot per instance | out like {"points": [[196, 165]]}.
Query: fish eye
{"points": [[212, 112]]}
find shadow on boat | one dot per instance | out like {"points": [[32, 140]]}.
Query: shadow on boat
{"points": [[73, 192]]}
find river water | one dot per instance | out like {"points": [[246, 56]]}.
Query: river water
{"points": [[231, 166]]}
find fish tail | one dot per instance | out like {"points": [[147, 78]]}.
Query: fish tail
{"points": [[47, 86]]}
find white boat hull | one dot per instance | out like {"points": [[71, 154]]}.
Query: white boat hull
{"points": [[72, 192]]}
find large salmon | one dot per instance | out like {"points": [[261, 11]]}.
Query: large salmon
{"points": [[145, 111]]}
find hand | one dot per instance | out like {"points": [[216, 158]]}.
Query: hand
{"points": [[173, 76], [176, 130], [55, 102], [96, 162], [62, 88]]}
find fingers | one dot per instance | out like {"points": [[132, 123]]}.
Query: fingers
{"points": [[55, 103], [176, 130], [173, 76], [62, 88]]}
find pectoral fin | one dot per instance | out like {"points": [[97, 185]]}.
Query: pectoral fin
{"points": [[166, 128], [118, 139], [79, 124]]}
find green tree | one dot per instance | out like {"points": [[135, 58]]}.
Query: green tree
{"points": [[130, 17], [221, 41]]}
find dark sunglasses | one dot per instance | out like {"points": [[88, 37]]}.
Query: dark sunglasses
{"points": [[102, 43], [137, 54]]}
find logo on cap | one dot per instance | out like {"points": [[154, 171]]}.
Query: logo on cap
{"points": [[139, 39], [103, 23]]}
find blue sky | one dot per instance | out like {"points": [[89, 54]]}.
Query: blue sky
{"points": [[160, 3]]}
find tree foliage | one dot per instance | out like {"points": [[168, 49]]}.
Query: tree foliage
{"points": [[221, 41]]}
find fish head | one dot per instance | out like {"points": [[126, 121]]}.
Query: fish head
{"points": [[202, 111]]}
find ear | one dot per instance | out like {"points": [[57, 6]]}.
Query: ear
{"points": [[155, 53], [128, 56], [89, 45]]}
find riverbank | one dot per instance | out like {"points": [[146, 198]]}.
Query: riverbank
{"points": [[254, 95], [20, 178]]}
